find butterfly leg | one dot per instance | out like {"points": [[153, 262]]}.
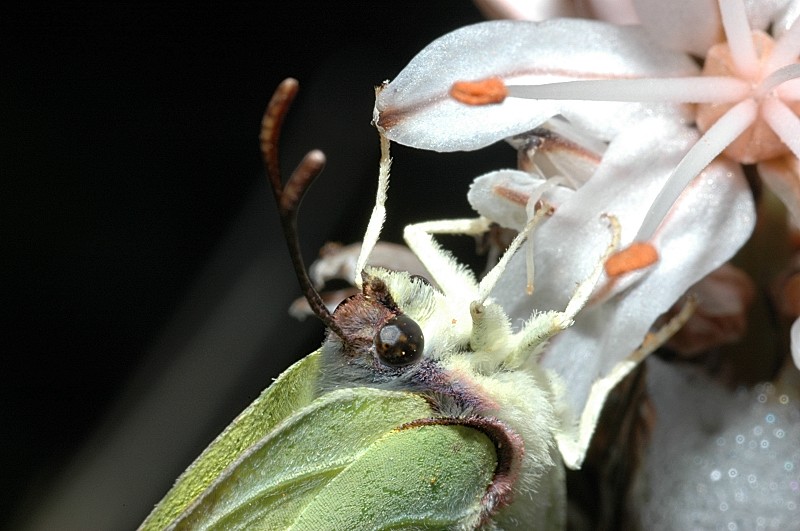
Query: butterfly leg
{"points": [[454, 279]]}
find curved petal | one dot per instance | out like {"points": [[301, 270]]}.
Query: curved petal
{"points": [[525, 9], [711, 445], [338, 262], [614, 11], [762, 13], [503, 195], [415, 108], [708, 224], [693, 27], [557, 149], [786, 18]]}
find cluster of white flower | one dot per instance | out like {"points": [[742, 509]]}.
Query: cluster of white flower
{"points": [[631, 86], [658, 122]]}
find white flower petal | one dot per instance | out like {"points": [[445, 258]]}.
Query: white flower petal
{"points": [[710, 145], [624, 185], [338, 262], [690, 246], [603, 335], [691, 27], [526, 9], [415, 108], [762, 13], [614, 11], [502, 196], [708, 224], [557, 149], [786, 18], [694, 26]]}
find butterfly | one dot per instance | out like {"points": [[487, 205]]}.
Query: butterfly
{"points": [[423, 408]]}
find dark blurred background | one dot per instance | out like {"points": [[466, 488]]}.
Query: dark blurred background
{"points": [[146, 282]]}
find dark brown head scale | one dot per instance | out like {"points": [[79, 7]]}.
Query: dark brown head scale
{"points": [[398, 340], [360, 317], [383, 344], [376, 289]]}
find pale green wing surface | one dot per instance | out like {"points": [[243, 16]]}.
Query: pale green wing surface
{"points": [[341, 457], [429, 477], [290, 392], [274, 482]]}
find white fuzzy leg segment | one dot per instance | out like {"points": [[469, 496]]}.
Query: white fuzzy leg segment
{"points": [[378, 212], [540, 327], [454, 279]]}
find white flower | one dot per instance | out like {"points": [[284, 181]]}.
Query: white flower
{"points": [[606, 79], [616, 11], [719, 459], [416, 108], [709, 222]]}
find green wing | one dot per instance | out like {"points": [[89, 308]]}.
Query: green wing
{"points": [[291, 391], [341, 463], [335, 462], [430, 477]]}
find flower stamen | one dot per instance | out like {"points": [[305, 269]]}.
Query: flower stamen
{"points": [[732, 124], [784, 122], [482, 92], [778, 77], [747, 101], [676, 90], [737, 33], [760, 141], [786, 49]]}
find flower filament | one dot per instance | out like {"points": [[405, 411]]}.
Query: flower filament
{"points": [[748, 100]]}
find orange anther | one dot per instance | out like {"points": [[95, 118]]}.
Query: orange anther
{"points": [[637, 255], [482, 92]]}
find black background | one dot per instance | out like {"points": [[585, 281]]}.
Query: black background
{"points": [[134, 203]]}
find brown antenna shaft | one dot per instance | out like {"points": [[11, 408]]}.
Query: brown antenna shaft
{"points": [[288, 197]]}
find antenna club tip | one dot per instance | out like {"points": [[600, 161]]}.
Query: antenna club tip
{"points": [[289, 82], [316, 156], [282, 98]]}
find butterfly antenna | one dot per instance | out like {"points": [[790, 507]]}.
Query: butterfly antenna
{"points": [[289, 196]]}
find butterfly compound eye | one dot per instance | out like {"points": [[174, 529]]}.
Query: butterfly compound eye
{"points": [[399, 342]]}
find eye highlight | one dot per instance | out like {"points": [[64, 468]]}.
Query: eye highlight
{"points": [[399, 342]]}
